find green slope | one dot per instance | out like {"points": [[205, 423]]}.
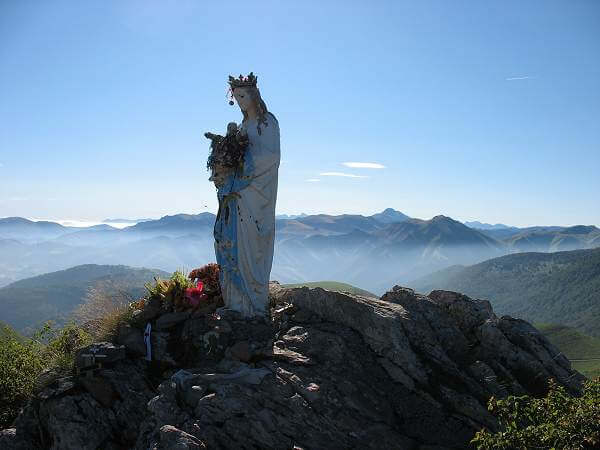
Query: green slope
{"points": [[582, 350], [55, 295], [561, 287], [5, 330], [333, 286]]}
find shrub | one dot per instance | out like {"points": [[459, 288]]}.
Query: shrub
{"points": [[23, 359], [63, 344], [557, 421], [20, 363], [106, 306]]}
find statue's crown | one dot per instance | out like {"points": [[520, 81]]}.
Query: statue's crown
{"points": [[250, 80]]}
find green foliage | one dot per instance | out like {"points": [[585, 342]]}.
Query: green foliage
{"points": [[172, 290], [22, 360], [557, 421], [20, 363], [62, 345]]}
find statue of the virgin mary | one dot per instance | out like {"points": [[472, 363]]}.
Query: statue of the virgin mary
{"points": [[244, 229]]}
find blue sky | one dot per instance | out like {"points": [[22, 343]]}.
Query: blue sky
{"points": [[478, 110]]}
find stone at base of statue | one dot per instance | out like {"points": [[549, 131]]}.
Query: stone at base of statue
{"points": [[101, 389], [57, 388], [99, 352], [229, 313], [183, 379]]}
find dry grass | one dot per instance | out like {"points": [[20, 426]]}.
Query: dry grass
{"points": [[105, 308]]}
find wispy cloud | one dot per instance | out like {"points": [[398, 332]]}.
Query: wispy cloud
{"points": [[1, 165], [312, 179], [342, 174], [364, 165], [527, 77]]}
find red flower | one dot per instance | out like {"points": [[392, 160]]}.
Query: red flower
{"points": [[194, 295]]}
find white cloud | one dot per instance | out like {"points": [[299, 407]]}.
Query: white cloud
{"points": [[342, 174], [364, 165], [312, 179], [519, 78]]}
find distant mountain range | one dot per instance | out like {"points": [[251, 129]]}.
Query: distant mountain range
{"points": [[487, 226], [561, 288], [125, 220], [374, 252], [54, 296], [290, 216]]}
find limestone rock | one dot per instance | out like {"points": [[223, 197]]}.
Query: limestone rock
{"points": [[103, 352], [172, 438], [328, 370], [169, 320]]}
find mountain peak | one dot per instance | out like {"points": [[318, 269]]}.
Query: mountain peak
{"points": [[440, 218], [390, 215]]}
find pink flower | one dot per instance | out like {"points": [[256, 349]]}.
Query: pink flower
{"points": [[194, 295]]}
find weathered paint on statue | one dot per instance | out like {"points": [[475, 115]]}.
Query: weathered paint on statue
{"points": [[245, 226]]}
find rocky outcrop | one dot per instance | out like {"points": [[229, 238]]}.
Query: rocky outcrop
{"points": [[328, 370]]}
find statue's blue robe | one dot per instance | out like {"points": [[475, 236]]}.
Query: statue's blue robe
{"points": [[245, 226]]}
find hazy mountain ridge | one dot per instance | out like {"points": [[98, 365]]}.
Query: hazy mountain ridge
{"points": [[561, 287], [569, 238], [488, 226], [126, 220], [371, 251], [55, 295]]}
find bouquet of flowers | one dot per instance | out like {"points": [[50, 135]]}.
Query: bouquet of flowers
{"points": [[227, 152], [208, 288], [194, 295]]}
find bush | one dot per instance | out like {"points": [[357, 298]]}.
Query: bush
{"points": [[557, 421], [20, 363], [63, 344], [106, 306], [23, 359]]}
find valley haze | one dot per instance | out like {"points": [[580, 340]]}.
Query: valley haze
{"points": [[373, 252]]}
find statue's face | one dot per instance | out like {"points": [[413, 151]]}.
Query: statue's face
{"points": [[243, 98]]}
